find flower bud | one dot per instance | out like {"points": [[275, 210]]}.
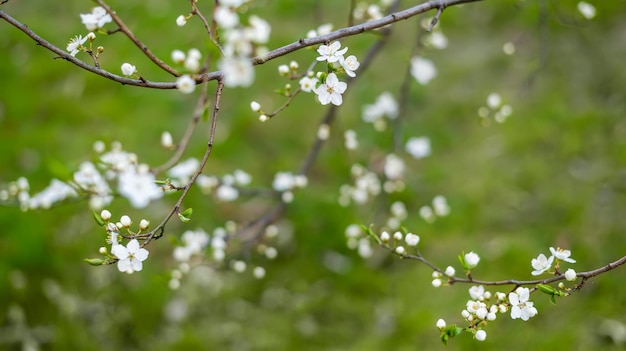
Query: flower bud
{"points": [[144, 224], [126, 221], [255, 106], [181, 21]]}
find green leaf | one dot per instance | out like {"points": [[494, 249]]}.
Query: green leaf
{"points": [[98, 219], [547, 289], [95, 261], [553, 299], [185, 216]]}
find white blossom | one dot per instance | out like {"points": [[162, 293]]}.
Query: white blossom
{"points": [[185, 84], [225, 17], [521, 307], [418, 147], [332, 52], [394, 167], [130, 257], [331, 90], [128, 69], [561, 254], [471, 259], [541, 264], [570, 275], [307, 84], [586, 9], [423, 70], [349, 64], [138, 186], [96, 19], [75, 44], [481, 335], [184, 170], [412, 239], [238, 71], [181, 20]]}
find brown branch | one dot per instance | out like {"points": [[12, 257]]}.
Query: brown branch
{"points": [[124, 29], [558, 277], [302, 43]]}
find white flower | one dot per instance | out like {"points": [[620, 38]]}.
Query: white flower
{"points": [[126, 221], [570, 275], [418, 147], [384, 236], [178, 56], [130, 257], [185, 84], [138, 186], [96, 19], [423, 70], [323, 132], [258, 272], [471, 259], [181, 20], [73, 47], [331, 53], [166, 140], [225, 17], [331, 90], [481, 335], [385, 105], [562, 254], [437, 40], [394, 167], [477, 292], [255, 106], [184, 170], [450, 271], [494, 100], [350, 139], [441, 324], [586, 9], [144, 224], [105, 215], [283, 70], [239, 266], [259, 30], [56, 191], [307, 84], [441, 206], [436, 282], [227, 193], [541, 264], [521, 307], [238, 71], [128, 69], [400, 250], [350, 64], [412, 239]]}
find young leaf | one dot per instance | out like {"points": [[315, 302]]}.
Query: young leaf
{"points": [[98, 219]]}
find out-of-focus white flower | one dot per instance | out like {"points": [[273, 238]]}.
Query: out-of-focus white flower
{"points": [[138, 185], [238, 71], [418, 147], [394, 167], [471, 259], [225, 17], [307, 84], [423, 70], [178, 56], [96, 19], [185, 84], [586, 9], [184, 170]]}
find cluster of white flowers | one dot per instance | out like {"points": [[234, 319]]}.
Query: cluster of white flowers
{"points": [[240, 42], [134, 182], [496, 108], [439, 208], [225, 188], [542, 263], [130, 257], [385, 106], [286, 182], [366, 184], [93, 21], [356, 241]]}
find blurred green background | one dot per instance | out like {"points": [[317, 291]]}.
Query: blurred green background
{"points": [[554, 174]]}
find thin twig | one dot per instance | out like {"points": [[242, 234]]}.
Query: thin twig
{"points": [[124, 29], [158, 231]]}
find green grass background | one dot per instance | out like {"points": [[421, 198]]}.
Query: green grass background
{"points": [[553, 175]]}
